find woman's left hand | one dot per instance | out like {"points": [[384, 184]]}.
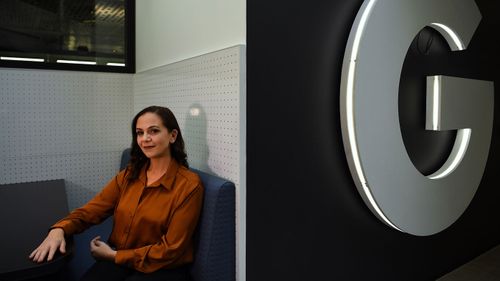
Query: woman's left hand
{"points": [[100, 250]]}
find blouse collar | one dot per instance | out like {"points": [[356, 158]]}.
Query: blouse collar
{"points": [[167, 180]]}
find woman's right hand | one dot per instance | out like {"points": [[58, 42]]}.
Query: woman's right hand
{"points": [[53, 242]]}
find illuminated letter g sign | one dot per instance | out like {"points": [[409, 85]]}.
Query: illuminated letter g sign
{"points": [[391, 186]]}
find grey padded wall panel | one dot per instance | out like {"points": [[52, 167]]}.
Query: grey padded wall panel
{"points": [[207, 95], [204, 94], [63, 124]]}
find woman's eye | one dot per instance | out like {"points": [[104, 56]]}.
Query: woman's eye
{"points": [[140, 133], [154, 131]]}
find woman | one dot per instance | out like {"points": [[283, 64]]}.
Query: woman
{"points": [[156, 202]]}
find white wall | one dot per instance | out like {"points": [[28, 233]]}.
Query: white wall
{"points": [[168, 31]]}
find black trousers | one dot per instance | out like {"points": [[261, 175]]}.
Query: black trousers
{"points": [[109, 271]]}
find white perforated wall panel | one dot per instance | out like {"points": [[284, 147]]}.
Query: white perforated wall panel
{"points": [[63, 124], [207, 95]]}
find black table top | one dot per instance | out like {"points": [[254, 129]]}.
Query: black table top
{"points": [[27, 210]]}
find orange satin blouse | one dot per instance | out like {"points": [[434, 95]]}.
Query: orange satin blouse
{"points": [[153, 225]]}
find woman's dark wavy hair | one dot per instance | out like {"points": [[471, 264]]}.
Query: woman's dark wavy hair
{"points": [[137, 157]]}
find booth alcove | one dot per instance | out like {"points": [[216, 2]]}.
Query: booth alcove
{"points": [[214, 237]]}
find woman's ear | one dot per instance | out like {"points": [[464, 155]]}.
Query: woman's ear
{"points": [[173, 135]]}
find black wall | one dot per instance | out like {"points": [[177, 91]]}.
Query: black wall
{"points": [[305, 218]]}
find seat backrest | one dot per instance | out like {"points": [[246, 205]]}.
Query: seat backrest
{"points": [[215, 237], [215, 256]]}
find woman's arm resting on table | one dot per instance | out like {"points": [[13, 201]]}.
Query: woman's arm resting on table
{"points": [[53, 242]]}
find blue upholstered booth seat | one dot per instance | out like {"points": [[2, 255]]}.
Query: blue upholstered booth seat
{"points": [[214, 237]]}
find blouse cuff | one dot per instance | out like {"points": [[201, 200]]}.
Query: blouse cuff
{"points": [[124, 256], [68, 230]]}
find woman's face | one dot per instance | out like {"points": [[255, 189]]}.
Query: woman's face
{"points": [[153, 137]]}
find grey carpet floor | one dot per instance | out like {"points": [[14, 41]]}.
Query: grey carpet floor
{"points": [[485, 267]]}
